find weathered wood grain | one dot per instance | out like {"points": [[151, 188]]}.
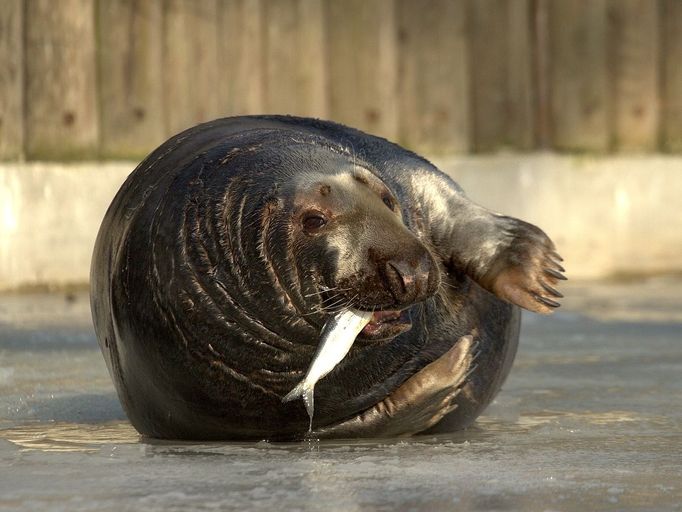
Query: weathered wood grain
{"points": [[540, 55], [362, 59], [241, 69], [521, 89], [61, 86], [11, 79], [129, 45], [113, 78], [295, 71], [190, 63], [671, 64], [634, 50], [579, 77], [433, 83], [501, 74]]}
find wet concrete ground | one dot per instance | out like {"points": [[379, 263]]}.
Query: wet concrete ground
{"points": [[590, 419]]}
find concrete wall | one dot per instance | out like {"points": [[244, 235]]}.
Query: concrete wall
{"points": [[49, 217], [607, 215]]}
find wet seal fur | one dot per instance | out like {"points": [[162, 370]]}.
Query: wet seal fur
{"points": [[227, 249]]}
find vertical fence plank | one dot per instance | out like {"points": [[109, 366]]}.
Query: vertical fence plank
{"points": [[240, 56], [61, 96], [671, 62], [433, 89], [11, 79], [501, 74], [488, 32], [361, 49], [190, 63], [540, 55], [634, 51], [521, 88], [294, 58], [129, 64], [614, 77], [579, 85]]}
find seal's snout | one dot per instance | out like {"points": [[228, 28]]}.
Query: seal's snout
{"points": [[410, 280]]}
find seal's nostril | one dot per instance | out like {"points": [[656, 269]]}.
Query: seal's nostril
{"points": [[410, 280], [396, 279], [402, 280]]}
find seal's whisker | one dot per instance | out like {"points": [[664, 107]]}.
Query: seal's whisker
{"points": [[443, 283], [333, 308], [333, 304], [349, 303], [337, 288], [337, 306], [332, 288], [333, 300], [312, 312], [319, 292], [444, 287]]}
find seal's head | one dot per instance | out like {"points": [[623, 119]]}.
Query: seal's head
{"points": [[348, 234]]}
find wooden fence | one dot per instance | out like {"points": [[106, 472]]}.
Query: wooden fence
{"points": [[114, 78]]}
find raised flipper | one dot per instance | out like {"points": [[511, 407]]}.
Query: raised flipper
{"points": [[511, 258], [418, 404], [524, 269]]}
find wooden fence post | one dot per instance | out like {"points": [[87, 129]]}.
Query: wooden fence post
{"points": [[240, 57], [295, 70], [501, 74], [11, 79], [61, 88], [433, 76], [634, 52], [129, 62], [361, 46], [579, 78], [190, 63], [671, 108]]}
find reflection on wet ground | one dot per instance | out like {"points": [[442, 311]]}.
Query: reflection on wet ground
{"points": [[590, 419]]}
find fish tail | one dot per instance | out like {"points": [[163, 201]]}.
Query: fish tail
{"points": [[309, 401], [307, 392], [297, 392]]}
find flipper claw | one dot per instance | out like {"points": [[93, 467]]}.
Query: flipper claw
{"points": [[552, 291], [547, 302], [555, 274]]}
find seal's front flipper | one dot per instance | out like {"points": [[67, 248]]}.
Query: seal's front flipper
{"points": [[508, 257], [418, 404], [524, 268]]}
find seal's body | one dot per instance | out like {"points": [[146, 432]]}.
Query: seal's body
{"points": [[227, 249]]}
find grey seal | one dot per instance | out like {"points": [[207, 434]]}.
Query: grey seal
{"points": [[228, 248]]}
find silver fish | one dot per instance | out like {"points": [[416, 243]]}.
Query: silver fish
{"points": [[338, 335]]}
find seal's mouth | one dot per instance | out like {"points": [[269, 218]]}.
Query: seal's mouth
{"points": [[386, 324]]}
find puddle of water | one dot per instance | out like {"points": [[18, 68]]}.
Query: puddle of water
{"points": [[70, 437]]}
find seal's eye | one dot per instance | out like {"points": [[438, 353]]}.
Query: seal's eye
{"points": [[314, 221], [388, 201]]}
